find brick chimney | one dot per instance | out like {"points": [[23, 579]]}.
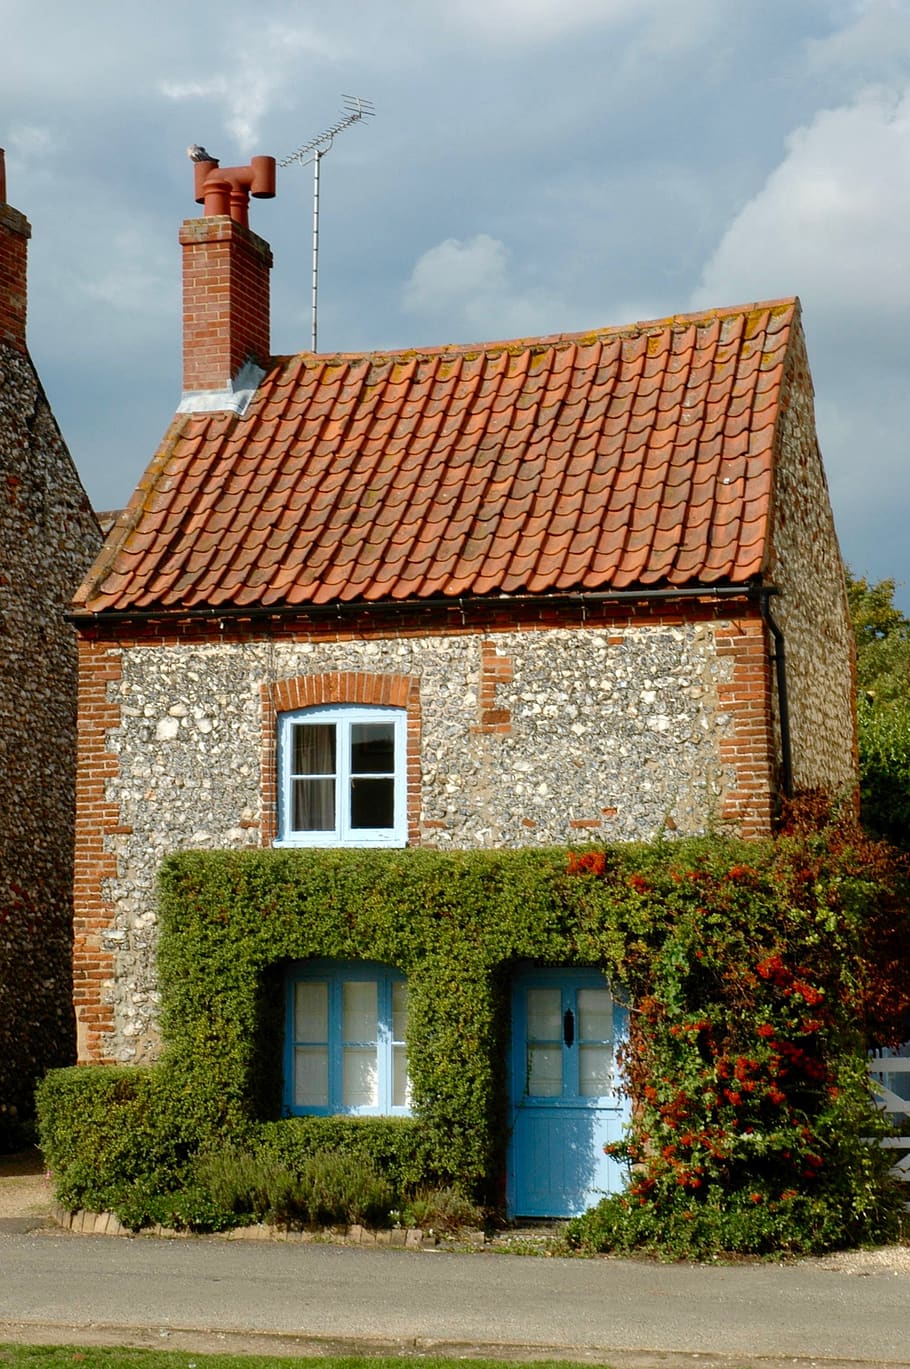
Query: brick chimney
{"points": [[15, 231], [226, 342]]}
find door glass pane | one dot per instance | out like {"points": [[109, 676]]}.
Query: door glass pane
{"points": [[372, 802], [401, 1085], [594, 1064], [314, 749], [544, 1015], [311, 1011], [595, 1015], [399, 1011], [359, 1005], [372, 748], [313, 805], [311, 1077], [544, 1071], [359, 1081]]}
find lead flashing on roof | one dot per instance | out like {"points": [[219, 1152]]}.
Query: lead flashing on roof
{"points": [[235, 398]]}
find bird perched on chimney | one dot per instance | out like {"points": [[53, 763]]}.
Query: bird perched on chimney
{"points": [[199, 154]]}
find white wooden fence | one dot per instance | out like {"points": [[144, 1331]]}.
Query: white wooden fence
{"points": [[889, 1076]]}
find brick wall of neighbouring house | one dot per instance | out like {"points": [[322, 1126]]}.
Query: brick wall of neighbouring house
{"points": [[533, 734], [48, 537], [812, 607]]}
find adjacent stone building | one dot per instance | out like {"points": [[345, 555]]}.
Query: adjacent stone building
{"points": [[48, 537], [522, 593]]}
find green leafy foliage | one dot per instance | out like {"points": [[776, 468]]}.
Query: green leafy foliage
{"points": [[754, 983], [754, 971], [882, 636]]}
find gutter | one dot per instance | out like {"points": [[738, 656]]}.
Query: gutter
{"points": [[233, 612]]}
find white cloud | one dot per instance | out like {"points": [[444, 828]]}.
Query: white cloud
{"points": [[30, 144], [873, 47], [533, 21], [468, 285], [135, 277], [261, 72], [447, 274], [830, 222]]}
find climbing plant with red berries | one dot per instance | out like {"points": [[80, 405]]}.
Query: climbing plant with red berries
{"points": [[757, 978]]}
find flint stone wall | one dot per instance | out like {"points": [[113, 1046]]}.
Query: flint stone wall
{"points": [[612, 734], [48, 537], [812, 608]]}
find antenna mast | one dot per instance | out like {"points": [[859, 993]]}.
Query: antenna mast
{"points": [[355, 109]]}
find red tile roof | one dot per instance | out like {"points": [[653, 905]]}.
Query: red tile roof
{"points": [[637, 456]]}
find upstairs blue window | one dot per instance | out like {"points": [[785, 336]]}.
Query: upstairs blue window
{"points": [[345, 1048], [342, 776]]}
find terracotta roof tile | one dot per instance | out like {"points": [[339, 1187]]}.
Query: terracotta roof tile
{"points": [[636, 455]]}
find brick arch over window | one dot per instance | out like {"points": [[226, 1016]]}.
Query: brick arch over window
{"points": [[338, 687]]}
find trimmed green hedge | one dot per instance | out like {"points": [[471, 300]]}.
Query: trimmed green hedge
{"points": [[457, 925]]}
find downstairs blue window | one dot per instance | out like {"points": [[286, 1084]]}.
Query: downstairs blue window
{"points": [[345, 1032]]}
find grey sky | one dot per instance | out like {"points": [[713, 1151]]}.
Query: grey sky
{"points": [[534, 166]]}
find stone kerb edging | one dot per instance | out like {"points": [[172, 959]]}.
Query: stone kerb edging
{"points": [[411, 1238]]}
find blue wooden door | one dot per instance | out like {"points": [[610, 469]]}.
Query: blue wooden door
{"points": [[564, 1101]]}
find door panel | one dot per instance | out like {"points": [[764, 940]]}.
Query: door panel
{"points": [[564, 1102]]}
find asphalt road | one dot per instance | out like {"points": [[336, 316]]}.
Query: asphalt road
{"points": [[308, 1299]]}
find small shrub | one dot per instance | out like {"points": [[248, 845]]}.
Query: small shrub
{"points": [[338, 1190], [441, 1209], [246, 1185], [328, 1189]]}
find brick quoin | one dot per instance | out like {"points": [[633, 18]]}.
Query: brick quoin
{"points": [[338, 687], [495, 669], [749, 749], [96, 821], [15, 232]]}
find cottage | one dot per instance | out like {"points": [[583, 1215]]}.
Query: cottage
{"points": [[48, 538], [514, 594]]}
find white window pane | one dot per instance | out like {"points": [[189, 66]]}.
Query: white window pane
{"points": [[595, 1015], [359, 1010], [313, 805], [311, 1077], [544, 1071], [359, 1078], [399, 1011], [311, 1011], [401, 1084], [594, 1064], [544, 1015], [314, 749]]}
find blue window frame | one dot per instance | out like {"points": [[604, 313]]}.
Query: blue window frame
{"points": [[345, 1048], [342, 776]]}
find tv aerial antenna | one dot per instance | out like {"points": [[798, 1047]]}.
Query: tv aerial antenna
{"points": [[355, 109]]}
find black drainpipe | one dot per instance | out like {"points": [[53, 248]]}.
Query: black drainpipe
{"points": [[779, 659]]}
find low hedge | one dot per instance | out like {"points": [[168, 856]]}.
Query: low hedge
{"points": [[757, 974]]}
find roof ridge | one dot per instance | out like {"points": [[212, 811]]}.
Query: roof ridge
{"points": [[530, 342]]}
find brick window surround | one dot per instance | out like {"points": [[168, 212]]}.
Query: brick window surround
{"points": [[338, 687]]}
